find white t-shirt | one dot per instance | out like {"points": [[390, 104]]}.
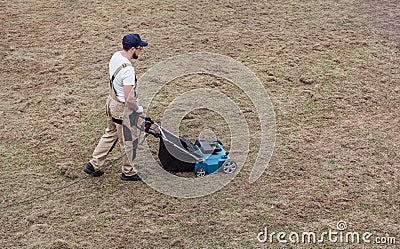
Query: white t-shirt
{"points": [[125, 77]]}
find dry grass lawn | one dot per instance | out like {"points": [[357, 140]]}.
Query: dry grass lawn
{"points": [[331, 69]]}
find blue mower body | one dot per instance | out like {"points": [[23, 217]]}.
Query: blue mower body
{"points": [[213, 161], [214, 158]]}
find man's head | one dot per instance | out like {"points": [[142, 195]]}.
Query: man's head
{"points": [[132, 44]]}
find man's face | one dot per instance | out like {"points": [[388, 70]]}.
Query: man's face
{"points": [[136, 52]]}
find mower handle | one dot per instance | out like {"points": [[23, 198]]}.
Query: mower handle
{"points": [[147, 125]]}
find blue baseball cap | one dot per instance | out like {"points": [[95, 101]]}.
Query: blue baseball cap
{"points": [[133, 40]]}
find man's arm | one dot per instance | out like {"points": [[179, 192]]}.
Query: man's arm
{"points": [[130, 99]]}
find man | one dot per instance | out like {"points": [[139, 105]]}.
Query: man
{"points": [[122, 92]]}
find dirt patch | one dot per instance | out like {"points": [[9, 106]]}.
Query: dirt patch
{"points": [[69, 170], [385, 17]]}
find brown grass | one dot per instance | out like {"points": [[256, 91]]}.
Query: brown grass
{"points": [[331, 69]]}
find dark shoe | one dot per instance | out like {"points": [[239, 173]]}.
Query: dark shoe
{"points": [[135, 177], [90, 170]]}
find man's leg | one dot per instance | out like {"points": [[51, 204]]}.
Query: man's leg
{"points": [[126, 136], [105, 145]]}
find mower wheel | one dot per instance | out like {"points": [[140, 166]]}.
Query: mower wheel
{"points": [[200, 172], [229, 166]]}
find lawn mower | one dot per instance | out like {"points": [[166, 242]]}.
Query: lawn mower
{"points": [[177, 154]]}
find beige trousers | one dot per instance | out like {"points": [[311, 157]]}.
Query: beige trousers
{"points": [[116, 131]]}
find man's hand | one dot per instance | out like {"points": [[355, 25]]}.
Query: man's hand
{"points": [[139, 109]]}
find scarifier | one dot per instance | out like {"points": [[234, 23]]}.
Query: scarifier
{"points": [[178, 154]]}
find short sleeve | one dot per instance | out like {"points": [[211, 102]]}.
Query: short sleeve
{"points": [[128, 76]]}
